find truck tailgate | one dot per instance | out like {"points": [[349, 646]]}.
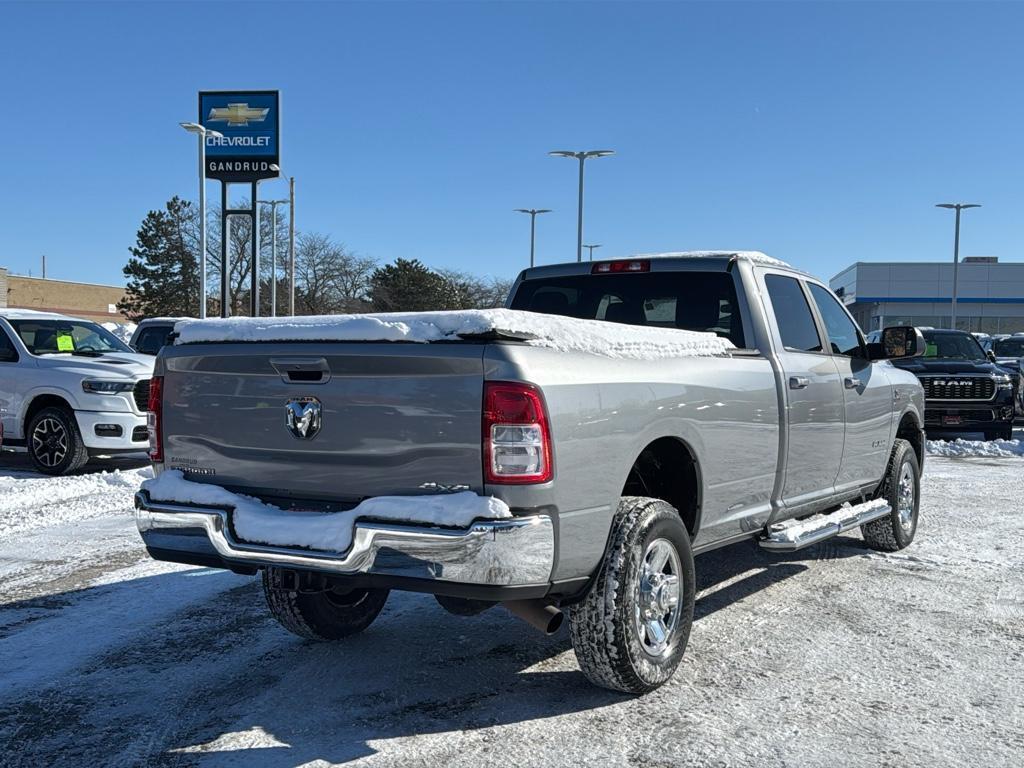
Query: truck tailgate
{"points": [[394, 418]]}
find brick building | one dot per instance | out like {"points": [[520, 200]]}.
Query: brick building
{"points": [[86, 300]]}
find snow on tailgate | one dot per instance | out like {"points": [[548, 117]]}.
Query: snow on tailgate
{"points": [[260, 523], [566, 334]]}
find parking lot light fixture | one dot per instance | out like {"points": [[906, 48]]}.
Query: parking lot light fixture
{"points": [[202, 132], [273, 250], [291, 238], [591, 248], [956, 249], [582, 157], [533, 221]]}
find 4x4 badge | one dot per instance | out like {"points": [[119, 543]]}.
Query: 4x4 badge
{"points": [[303, 417]]}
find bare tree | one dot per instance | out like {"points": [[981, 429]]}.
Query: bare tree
{"points": [[467, 291], [330, 279]]}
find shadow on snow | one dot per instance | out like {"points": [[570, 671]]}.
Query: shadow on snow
{"points": [[168, 678]]}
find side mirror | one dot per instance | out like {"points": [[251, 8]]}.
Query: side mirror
{"points": [[902, 341], [991, 355]]}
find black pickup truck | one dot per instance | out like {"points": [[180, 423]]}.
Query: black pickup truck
{"points": [[964, 390]]}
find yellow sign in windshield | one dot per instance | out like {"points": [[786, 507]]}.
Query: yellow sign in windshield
{"points": [[65, 343]]}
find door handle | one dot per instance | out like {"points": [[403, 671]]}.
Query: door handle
{"points": [[851, 382], [798, 382]]}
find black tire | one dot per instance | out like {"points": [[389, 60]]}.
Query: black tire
{"points": [[329, 615], [611, 648], [895, 532], [54, 443], [1006, 433]]}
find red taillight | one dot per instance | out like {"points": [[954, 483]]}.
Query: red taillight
{"points": [[625, 265], [153, 418], [516, 435]]}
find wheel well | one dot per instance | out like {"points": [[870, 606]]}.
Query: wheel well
{"points": [[910, 431], [666, 470], [40, 402]]}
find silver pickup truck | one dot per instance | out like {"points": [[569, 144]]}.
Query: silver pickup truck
{"points": [[609, 472]]}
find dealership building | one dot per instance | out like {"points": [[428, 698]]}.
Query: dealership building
{"points": [[990, 295], [90, 301]]}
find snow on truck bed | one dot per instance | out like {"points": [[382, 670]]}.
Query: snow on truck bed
{"points": [[566, 334], [260, 523]]}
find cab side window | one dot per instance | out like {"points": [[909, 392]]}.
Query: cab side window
{"points": [[843, 336], [151, 340], [8, 352], [792, 314]]}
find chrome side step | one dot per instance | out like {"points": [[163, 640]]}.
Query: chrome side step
{"points": [[797, 534]]}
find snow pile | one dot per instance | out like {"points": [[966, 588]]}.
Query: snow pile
{"points": [[755, 256], [123, 331], [261, 523], [566, 334], [964, 449], [30, 501]]}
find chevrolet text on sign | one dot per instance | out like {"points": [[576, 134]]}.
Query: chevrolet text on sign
{"points": [[249, 123]]}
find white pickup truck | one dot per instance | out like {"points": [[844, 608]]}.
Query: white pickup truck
{"points": [[69, 390]]}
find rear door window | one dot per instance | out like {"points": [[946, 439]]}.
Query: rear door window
{"points": [[690, 300], [792, 314], [151, 339]]}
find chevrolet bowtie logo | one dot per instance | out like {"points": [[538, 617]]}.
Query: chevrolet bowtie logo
{"points": [[237, 114]]}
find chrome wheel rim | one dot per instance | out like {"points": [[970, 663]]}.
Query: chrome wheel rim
{"points": [[657, 598], [50, 442], [905, 501]]}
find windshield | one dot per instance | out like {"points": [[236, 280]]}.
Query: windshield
{"points": [[48, 337], [952, 346], [1009, 347]]}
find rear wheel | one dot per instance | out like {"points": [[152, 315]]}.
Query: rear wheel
{"points": [[630, 632], [901, 488], [54, 443], [327, 615]]}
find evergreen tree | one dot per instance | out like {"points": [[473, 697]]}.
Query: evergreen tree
{"points": [[408, 286], [163, 273]]}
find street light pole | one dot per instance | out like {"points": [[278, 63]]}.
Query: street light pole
{"points": [[533, 220], [202, 132], [582, 157], [273, 249], [291, 240], [592, 247], [956, 249]]}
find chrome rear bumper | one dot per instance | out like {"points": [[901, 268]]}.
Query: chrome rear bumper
{"points": [[510, 552]]}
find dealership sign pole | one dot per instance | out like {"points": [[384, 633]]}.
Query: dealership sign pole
{"points": [[246, 152]]}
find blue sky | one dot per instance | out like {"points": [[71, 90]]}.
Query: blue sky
{"points": [[820, 133]]}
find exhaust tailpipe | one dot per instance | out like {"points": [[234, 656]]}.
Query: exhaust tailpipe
{"points": [[537, 613]]}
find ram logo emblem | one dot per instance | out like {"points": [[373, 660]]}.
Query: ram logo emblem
{"points": [[303, 417]]}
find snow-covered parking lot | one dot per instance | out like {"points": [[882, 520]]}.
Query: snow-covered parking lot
{"points": [[834, 656]]}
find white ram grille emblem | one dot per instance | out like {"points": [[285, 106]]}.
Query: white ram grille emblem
{"points": [[303, 417]]}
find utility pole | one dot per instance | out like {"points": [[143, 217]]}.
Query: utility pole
{"points": [[592, 247]]}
